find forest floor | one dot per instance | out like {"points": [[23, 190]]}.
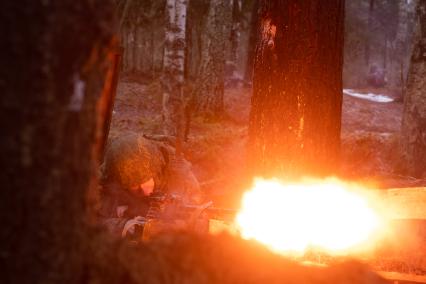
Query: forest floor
{"points": [[216, 149]]}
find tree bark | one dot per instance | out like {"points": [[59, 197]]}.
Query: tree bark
{"points": [[385, 53], [173, 67], [211, 78], [125, 43], [404, 41], [235, 32], [370, 28], [135, 48], [197, 14], [254, 31], [413, 136], [294, 126], [54, 63]]}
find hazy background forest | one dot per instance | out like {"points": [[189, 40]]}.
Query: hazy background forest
{"points": [[378, 32], [379, 35]]}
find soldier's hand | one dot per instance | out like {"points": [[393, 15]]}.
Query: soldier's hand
{"points": [[130, 225]]}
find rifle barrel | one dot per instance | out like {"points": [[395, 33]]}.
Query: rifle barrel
{"points": [[215, 210]]}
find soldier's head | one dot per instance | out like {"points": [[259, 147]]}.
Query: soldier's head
{"points": [[130, 161]]}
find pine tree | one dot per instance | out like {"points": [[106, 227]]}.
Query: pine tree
{"points": [[295, 123]]}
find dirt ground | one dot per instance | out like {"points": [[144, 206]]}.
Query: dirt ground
{"points": [[217, 149]]}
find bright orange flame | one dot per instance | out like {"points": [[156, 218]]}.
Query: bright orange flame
{"points": [[329, 215]]}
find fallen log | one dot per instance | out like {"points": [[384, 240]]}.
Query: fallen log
{"points": [[402, 278], [406, 203]]}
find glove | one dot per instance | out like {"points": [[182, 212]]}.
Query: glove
{"points": [[130, 225]]}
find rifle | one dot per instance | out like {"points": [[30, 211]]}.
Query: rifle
{"points": [[170, 212]]}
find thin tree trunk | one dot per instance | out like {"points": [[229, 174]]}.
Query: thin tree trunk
{"points": [[125, 44], [370, 31], [152, 48], [124, 15], [413, 136], [295, 118], [211, 78], [173, 69], [135, 48], [401, 49], [235, 32], [254, 31], [385, 53], [404, 40], [54, 63]]}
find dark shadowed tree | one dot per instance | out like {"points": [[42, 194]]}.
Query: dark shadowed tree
{"points": [[235, 36], [387, 16], [403, 42], [297, 88], [253, 34], [197, 13], [413, 138], [55, 88]]}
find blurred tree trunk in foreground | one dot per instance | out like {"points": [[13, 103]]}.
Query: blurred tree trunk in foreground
{"points": [[211, 77], [54, 61], [295, 118], [413, 137]]}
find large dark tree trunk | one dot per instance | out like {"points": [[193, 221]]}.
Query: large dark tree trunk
{"points": [[413, 138], [54, 66], [296, 105]]}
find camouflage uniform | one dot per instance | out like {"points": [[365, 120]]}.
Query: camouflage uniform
{"points": [[132, 160]]}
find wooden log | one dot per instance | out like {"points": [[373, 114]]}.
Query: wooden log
{"points": [[402, 278], [406, 203]]}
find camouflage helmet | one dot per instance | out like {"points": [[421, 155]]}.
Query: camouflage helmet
{"points": [[131, 160]]}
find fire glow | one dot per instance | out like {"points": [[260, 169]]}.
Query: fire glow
{"points": [[328, 215]]}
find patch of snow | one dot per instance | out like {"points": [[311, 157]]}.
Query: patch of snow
{"points": [[369, 97]]}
